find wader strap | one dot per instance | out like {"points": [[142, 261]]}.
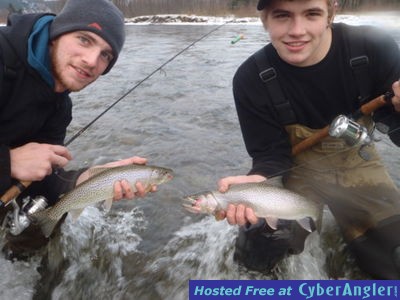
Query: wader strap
{"points": [[269, 76], [359, 63]]}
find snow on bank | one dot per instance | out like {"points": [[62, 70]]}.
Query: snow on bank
{"points": [[188, 19], [381, 19], [390, 19]]}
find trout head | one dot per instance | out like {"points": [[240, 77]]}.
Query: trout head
{"points": [[204, 203], [161, 175]]}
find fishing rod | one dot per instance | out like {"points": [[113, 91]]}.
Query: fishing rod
{"points": [[337, 127], [349, 130], [20, 186], [143, 80]]}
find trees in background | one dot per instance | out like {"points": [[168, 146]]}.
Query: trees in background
{"points": [[132, 8], [353, 5], [218, 7]]}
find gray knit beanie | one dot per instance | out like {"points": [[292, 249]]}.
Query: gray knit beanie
{"points": [[101, 17]]}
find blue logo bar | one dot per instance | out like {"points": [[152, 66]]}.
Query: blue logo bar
{"points": [[294, 289]]}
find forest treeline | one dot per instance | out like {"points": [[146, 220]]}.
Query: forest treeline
{"points": [[133, 8], [351, 5]]}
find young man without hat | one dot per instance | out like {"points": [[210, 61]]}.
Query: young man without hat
{"points": [[310, 57]]}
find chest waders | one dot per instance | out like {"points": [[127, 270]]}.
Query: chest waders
{"points": [[360, 194]]}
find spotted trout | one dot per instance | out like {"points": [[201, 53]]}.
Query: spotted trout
{"points": [[99, 187], [268, 201]]}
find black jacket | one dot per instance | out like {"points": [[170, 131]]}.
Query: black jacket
{"points": [[317, 94], [30, 111]]}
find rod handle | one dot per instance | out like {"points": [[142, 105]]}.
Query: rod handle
{"points": [[310, 141], [376, 103], [13, 192], [365, 110]]}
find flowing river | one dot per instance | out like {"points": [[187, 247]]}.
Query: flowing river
{"points": [[182, 117]]}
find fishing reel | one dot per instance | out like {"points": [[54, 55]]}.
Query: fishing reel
{"points": [[352, 133], [20, 218]]}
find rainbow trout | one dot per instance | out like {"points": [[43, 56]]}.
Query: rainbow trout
{"points": [[99, 187], [268, 201]]}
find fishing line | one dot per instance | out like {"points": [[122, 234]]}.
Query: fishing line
{"points": [[81, 131], [142, 81]]}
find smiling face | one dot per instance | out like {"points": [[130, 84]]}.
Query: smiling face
{"points": [[78, 58], [299, 30]]}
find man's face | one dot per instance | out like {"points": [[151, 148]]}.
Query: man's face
{"points": [[299, 30], [78, 58]]}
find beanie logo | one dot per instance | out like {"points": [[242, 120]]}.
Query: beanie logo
{"points": [[95, 25]]}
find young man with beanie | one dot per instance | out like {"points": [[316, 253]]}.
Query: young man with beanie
{"points": [[43, 58], [311, 72]]}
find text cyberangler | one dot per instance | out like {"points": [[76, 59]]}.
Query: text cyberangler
{"points": [[309, 290]]}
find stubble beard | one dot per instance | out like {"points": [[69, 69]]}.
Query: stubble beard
{"points": [[57, 72]]}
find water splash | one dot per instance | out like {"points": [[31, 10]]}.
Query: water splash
{"points": [[18, 278], [204, 250], [87, 258]]}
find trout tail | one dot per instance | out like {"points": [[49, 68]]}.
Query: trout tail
{"points": [[46, 223]]}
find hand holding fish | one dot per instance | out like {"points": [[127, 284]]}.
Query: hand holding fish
{"points": [[396, 97], [33, 161], [251, 198], [122, 188], [97, 186], [238, 214]]}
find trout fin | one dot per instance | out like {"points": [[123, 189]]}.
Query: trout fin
{"points": [[46, 224], [307, 224], [219, 215], [107, 204], [148, 188], [75, 213], [272, 222], [96, 170]]}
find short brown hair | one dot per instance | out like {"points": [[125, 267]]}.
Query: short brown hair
{"points": [[332, 6]]}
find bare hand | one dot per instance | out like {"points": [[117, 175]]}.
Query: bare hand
{"points": [[396, 98], [34, 161], [240, 214], [122, 188]]}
